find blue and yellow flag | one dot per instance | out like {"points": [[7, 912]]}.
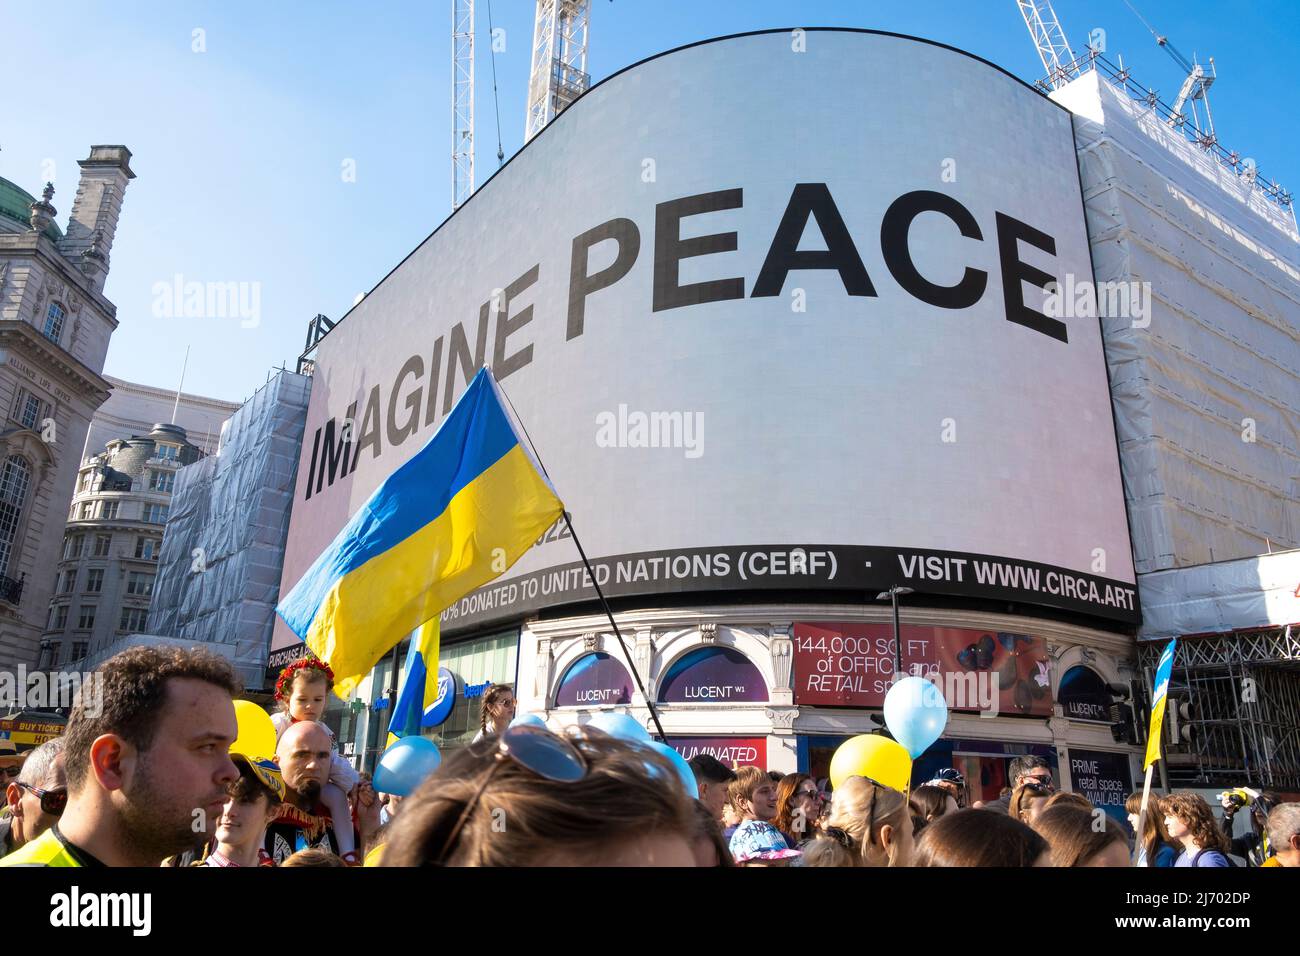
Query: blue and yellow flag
{"points": [[419, 692], [1159, 697], [461, 511]]}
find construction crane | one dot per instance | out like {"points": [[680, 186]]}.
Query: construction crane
{"points": [[462, 101], [1196, 85], [559, 65], [1053, 49]]}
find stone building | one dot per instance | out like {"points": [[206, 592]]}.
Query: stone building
{"points": [[55, 324], [110, 549], [132, 409]]}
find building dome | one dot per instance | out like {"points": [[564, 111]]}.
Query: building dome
{"points": [[15, 209], [167, 432]]}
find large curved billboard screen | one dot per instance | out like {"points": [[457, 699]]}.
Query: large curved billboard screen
{"points": [[775, 312]]}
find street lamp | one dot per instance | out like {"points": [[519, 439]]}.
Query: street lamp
{"points": [[893, 594]]}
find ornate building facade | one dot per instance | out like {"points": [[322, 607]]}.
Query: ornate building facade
{"points": [[111, 545], [55, 325]]}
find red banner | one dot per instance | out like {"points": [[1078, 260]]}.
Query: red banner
{"points": [[732, 751], [852, 665]]}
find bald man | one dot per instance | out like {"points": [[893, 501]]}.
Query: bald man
{"points": [[304, 758], [36, 799]]}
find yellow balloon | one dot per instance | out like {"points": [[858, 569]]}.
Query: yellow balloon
{"points": [[871, 755], [256, 732]]}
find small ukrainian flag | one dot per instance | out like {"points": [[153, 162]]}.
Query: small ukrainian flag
{"points": [[456, 515], [420, 684]]}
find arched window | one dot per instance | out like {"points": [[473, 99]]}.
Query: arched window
{"points": [[712, 675], [594, 679], [54, 322], [14, 479], [1084, 694]]}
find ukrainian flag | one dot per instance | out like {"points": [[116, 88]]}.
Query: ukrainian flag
{"points": [[419, 693], [456, 515], [1159, 698]]}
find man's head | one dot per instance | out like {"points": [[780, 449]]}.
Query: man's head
{"points": [[1031, 769], [753, 794], [155, 754], [1284, 833], [304, 758], [253, 802], [712, 777], [37, 798]]}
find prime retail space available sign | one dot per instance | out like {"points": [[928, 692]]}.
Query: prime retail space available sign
{"points": [[773, 319]]}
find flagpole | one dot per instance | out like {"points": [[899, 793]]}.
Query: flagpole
{"points": [[636, 675], [1142, 813], [627, 656]]}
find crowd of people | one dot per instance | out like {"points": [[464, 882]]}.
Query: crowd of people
{"points": [[148, 779]]}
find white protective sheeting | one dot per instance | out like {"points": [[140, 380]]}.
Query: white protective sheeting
{"points": [[1227, 596], [1207, 396], [219, 569]]}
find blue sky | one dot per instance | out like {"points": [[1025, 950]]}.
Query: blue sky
{"points": [[240, 149]]}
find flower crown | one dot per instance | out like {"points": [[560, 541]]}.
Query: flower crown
{"points": [[284, 683]]}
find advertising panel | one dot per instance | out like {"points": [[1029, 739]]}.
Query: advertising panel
{"points": [[772, 318], [852, 665]]}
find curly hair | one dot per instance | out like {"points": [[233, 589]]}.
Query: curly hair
{"points": [[134, 692], [1197, 816]]}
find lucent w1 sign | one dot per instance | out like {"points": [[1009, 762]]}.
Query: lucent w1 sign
{"points": [[773, 311]]}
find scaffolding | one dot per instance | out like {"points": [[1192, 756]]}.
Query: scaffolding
{"points": [[1243, 692], [219, 568], [559, 62], [1190, 127]]}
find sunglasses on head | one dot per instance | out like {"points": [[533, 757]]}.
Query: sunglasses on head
{"points": [[53, 802], [535, 749]]}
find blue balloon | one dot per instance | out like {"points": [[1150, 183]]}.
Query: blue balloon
{"points": [[622, 726], [528, 720], [915, 713], [684, 771], [405, 764]]}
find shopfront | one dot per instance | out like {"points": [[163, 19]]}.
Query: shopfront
{"points": [[466, 669], [782, 687]]}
